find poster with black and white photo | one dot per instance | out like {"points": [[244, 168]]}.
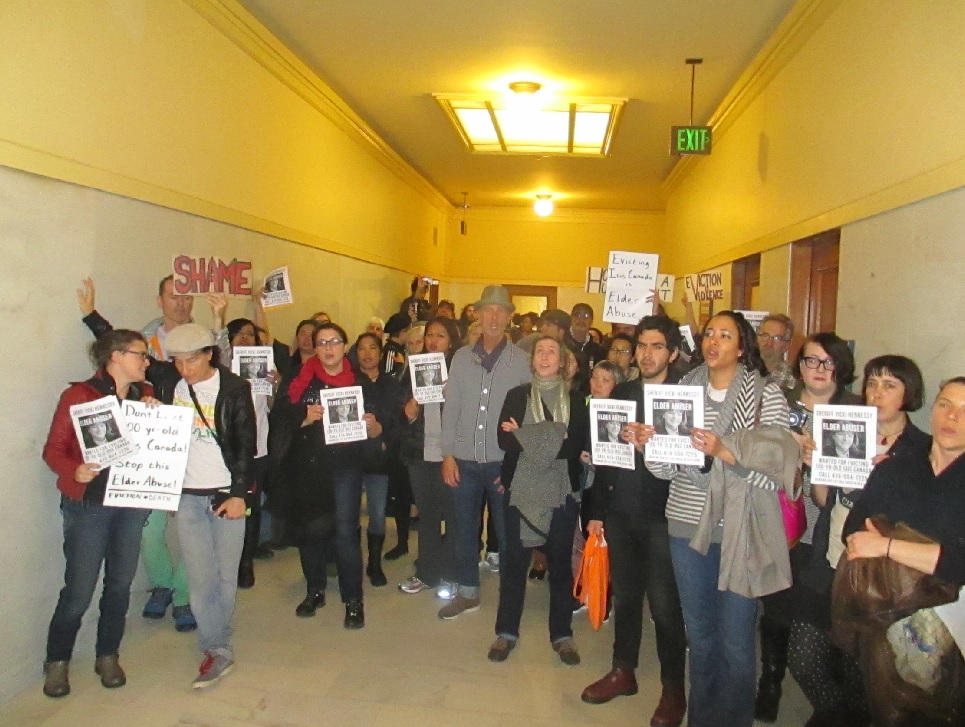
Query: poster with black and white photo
{"points": [[99, 426], [673, 411], [754, 317], [278, 289], [607, 418], [343, 414], [845, 438], [152, 478], [429, 376], [688, 340], [254, 363]]}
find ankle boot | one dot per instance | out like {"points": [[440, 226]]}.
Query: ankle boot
{"points": [[374, 569], [313, 601], [56, 683], [402, 528], [774, 639]]}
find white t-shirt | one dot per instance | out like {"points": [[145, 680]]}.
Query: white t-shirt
{"points": [[206, 469], [261, 424]]}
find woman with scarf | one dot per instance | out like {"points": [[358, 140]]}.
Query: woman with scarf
{"points": [[543, 427], [718, 589], [322, 492]]}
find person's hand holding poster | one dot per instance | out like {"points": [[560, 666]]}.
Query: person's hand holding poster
{"points": [[845, 436], [153, 477], [278, 289], [607, 419], [429, 376], [254, 363], [673, 412], [342, 420], [100, 430]]}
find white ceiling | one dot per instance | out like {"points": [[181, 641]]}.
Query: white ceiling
{"points": [[386, 58]]}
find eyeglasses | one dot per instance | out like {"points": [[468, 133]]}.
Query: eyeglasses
{"points": [[585, 316], [765, 337], [624, 351], [144, 356], [813, 362], [329, 343]]}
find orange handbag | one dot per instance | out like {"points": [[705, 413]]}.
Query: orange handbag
{"points": [[593, 581]]}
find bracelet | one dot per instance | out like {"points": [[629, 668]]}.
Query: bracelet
{"points": [[888, 552]]}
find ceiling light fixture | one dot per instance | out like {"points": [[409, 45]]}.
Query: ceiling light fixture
{"points": [[464, 224], [543, 206], [522, 122]]}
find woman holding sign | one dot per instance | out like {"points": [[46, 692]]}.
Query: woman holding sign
{"points": [[322, 490], [543, 426], [744, 417], [94, 535]]}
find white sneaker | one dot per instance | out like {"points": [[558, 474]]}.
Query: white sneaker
{"points": [[413, 585], [492, 560], [446, 591]]}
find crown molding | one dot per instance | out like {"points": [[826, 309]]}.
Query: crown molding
{"points": [[793, 32], [570, 216], [243, 29]]}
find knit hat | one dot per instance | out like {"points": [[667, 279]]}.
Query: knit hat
{"points": [[495, 295], [188, 338], [397, 323], [559, 318]]}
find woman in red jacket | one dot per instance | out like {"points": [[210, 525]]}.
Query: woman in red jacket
{"points": [[94, 535]]}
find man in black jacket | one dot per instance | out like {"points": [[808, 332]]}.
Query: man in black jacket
{"points": [[632, 504]]}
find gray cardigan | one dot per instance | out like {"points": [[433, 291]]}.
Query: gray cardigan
{"points": [[474, 399]]}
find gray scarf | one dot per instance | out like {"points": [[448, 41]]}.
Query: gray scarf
{"points": [[555, 394]]}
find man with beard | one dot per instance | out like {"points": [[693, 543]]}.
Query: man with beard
{"points": [[774, 338], [632, 504]]}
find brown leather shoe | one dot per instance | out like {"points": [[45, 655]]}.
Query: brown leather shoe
{"points": [[110, 672], [672, 708], [618, 683], [56, 683]]}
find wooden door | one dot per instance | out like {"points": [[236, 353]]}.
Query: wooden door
{"points": [[814, 283], [745, 282], [535, 298]]}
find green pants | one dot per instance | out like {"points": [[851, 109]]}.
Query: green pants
{"points": [[161, 572]]}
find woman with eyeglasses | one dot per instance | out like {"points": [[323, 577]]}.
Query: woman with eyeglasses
{"points": [[620, 350], [323, 491], [94, 535], [831, 680]]}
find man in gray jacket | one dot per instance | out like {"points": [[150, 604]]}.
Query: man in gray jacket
{"points": [[479, 378]]}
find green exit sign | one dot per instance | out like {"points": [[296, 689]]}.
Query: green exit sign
{"points": [[690, 139]]}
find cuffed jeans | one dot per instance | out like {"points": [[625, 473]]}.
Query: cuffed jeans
{"points": [[348, 549], [434, 500], [160, 569], [475, 479], [514, 566], [720, 631], [211, 549], [640, 566], [95, 535], [376, 498]]}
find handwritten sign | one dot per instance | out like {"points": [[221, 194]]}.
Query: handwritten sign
{"points": [[705, 286], [200, 275], [665, 285], [631, 278], [595, 280]]}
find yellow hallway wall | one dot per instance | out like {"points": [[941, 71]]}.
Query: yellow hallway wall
{"points": [[190, 104], [860, 119]]}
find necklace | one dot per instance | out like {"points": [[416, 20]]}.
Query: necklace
{"points": [[891, 435]]}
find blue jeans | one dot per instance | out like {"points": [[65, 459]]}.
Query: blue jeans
{"points": [[720, 631], [376, 498], [95, 535], [475, 478], [211, 548]]}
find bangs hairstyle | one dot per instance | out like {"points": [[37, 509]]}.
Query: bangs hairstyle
{"points": [[903, 369], [611, 368], [119, 340], [564, 354], [839, 351], [376, 339], [746, 341], [452, 330], [329, 326], [234, 328]]}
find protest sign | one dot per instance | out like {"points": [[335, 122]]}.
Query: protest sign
{"points": [[688, 335], [153, 477], [254, 363], [631, 278], [595, 280], [665, 286], [99, 426], [754, 317], [607, 417], [845, 437], [200, 275], [343, 414], [278, 289], [673, 411], [429, 376], [702, 287]]}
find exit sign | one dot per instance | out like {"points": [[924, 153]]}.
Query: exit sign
{"points": [[690, 139]]}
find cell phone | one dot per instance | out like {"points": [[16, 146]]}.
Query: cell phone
{"points": [[218, 499], [797, 418]]}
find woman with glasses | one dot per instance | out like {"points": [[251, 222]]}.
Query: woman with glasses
{"points": [[323, 491], [94, 535], [620, 350], [893, 384]]}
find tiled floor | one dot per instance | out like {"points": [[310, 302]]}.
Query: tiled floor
{"points": [[406, 667]]}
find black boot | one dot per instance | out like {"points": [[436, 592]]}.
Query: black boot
{"points": [[774, 638], [313, 601], [246, 567], [374, 569], [354, 614], [402, 528]]}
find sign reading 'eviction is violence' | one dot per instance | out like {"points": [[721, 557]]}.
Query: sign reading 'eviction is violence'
{"points": [[200, 275]]}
